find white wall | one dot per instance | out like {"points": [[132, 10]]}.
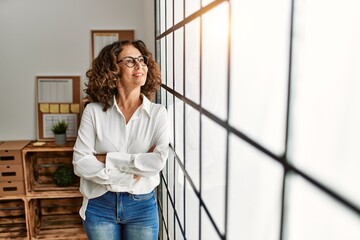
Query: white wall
{"points": [[52, 37]]}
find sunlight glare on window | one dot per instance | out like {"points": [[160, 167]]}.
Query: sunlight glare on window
{"points": [[215, 59], [259, 70]]}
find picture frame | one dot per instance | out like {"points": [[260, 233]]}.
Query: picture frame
{"points": [[101, 38]]}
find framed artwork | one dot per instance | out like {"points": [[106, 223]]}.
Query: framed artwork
{"points": [[101, 38]]}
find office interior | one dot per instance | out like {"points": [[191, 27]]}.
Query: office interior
{"points": [[262, 98]]}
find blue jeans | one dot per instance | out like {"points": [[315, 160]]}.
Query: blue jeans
{"points": [[122, 216]]}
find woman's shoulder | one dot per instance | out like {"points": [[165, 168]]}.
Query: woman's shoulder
{"points": [[157, 107], [152, 106], [158, 111], [94, 107]]}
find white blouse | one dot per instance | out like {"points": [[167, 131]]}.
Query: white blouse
{"points": [[126, 147]]}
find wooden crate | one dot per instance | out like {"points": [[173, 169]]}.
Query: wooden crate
{"points": [[56, 219], [11, 173], [10, 152], [12, 219], [12, 188], [41, 167], [8, 157]]}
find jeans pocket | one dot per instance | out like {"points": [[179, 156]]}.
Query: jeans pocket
{"points": [[142, 197]]}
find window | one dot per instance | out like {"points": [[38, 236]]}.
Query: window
{"points": [[263, 102]]}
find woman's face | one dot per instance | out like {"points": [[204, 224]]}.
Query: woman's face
{"points": [[132, 77]]}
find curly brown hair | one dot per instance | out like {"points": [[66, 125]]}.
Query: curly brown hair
{"points": [[105, 72]]}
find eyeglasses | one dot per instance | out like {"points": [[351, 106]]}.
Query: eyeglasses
{"points": [[130, 61]]}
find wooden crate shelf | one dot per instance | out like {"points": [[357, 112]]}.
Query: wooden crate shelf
{"points": [[11, 169], [52, 211], [41, 168], [56, 218], [50, 195], [13, 219]]}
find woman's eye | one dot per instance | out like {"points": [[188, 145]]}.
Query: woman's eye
{"points": [[130, 61]]}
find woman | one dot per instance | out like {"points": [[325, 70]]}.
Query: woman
{"points": [[122, 144]]}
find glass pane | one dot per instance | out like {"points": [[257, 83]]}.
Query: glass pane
{"points": [[191, 6], [208, 231], [178, 61], [179, 235], [165, 237], [162, 15], [325, 114], [170, 111], [313, 215], [179, 11], [192, 60], [179, 193], [215, 63], [157, 18], [255, 189], [213, 169], [179, 129], [165, 172], [163, 60], [171, 162], [259, 70], [158, 52], [163, 97], [169, 60], [206, 2], [192, 141], [169, 14], [164, 202], [192, 213], [171, 227]]}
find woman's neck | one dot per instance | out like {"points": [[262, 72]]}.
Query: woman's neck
{"points": [[128, 99]]}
